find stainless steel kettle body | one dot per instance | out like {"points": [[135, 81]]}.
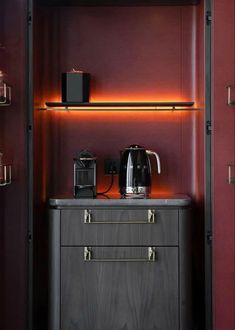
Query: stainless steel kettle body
{"points": [[135, 172]]}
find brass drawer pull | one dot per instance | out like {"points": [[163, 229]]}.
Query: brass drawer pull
{"points": [[88, 219], [151, 216], [150, 258], [87, 216]]}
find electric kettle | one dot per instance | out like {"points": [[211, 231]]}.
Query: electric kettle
{"points": [[135, 172]]}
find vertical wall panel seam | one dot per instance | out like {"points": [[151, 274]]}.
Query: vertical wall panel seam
{"points": [[208, 169], [194, 142], [212, 156], [181, 89], [233, 160], [233, 163]]}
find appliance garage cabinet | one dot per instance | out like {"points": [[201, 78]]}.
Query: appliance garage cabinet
{"points": [[120, 264]]}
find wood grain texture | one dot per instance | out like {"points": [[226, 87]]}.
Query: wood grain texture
{"points": [[54, 270], [114, 295], [75, 232], [125, 296], [185, 268]]}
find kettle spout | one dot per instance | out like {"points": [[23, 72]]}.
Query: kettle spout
{"points": [[150, 152]]}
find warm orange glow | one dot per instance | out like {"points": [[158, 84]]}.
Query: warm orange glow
{"points": [[66, 123], [120, 108], [116, 97], [162, 193], [156, 193], [111, 115], [117, 117]]}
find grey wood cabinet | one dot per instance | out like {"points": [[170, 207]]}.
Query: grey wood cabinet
{"points": [[117, 265]]}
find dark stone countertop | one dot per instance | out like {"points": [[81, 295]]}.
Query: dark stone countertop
{"points": [[116, 200]]}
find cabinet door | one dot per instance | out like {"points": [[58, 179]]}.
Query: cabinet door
{"points": [[108, 293], [223, 28]]}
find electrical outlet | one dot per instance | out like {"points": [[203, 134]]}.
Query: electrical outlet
{"points": [[111, 166]]}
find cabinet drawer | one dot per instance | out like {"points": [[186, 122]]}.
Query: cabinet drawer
{"points": [[119, 227], [115, 295]]}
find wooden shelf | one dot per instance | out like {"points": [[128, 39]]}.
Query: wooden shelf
{"points": [[121, 106]]}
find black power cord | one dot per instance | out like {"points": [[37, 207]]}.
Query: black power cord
{"points": [[109, 188]]}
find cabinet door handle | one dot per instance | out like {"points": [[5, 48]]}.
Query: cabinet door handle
{"points": [[231, 179], [230, 101], [151, 256], [151, 219], [4, 92]]}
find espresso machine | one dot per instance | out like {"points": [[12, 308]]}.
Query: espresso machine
{"points": [[85, 175]]}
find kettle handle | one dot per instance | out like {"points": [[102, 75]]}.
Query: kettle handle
{"points": [[150, 152]]}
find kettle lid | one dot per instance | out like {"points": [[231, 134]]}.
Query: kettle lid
{"points": [[135, 146]]}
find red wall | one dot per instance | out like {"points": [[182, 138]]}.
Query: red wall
{"points": [[132, 53]]}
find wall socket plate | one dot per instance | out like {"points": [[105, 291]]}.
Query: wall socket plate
{"points": [[111, 166]]}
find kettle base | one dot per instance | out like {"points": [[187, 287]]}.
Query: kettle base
{"points": [[135, 192], [134, 196]]}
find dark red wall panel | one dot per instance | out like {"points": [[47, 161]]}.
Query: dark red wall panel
{"points": [[13, 202], [131, 53], [223, 154]]}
